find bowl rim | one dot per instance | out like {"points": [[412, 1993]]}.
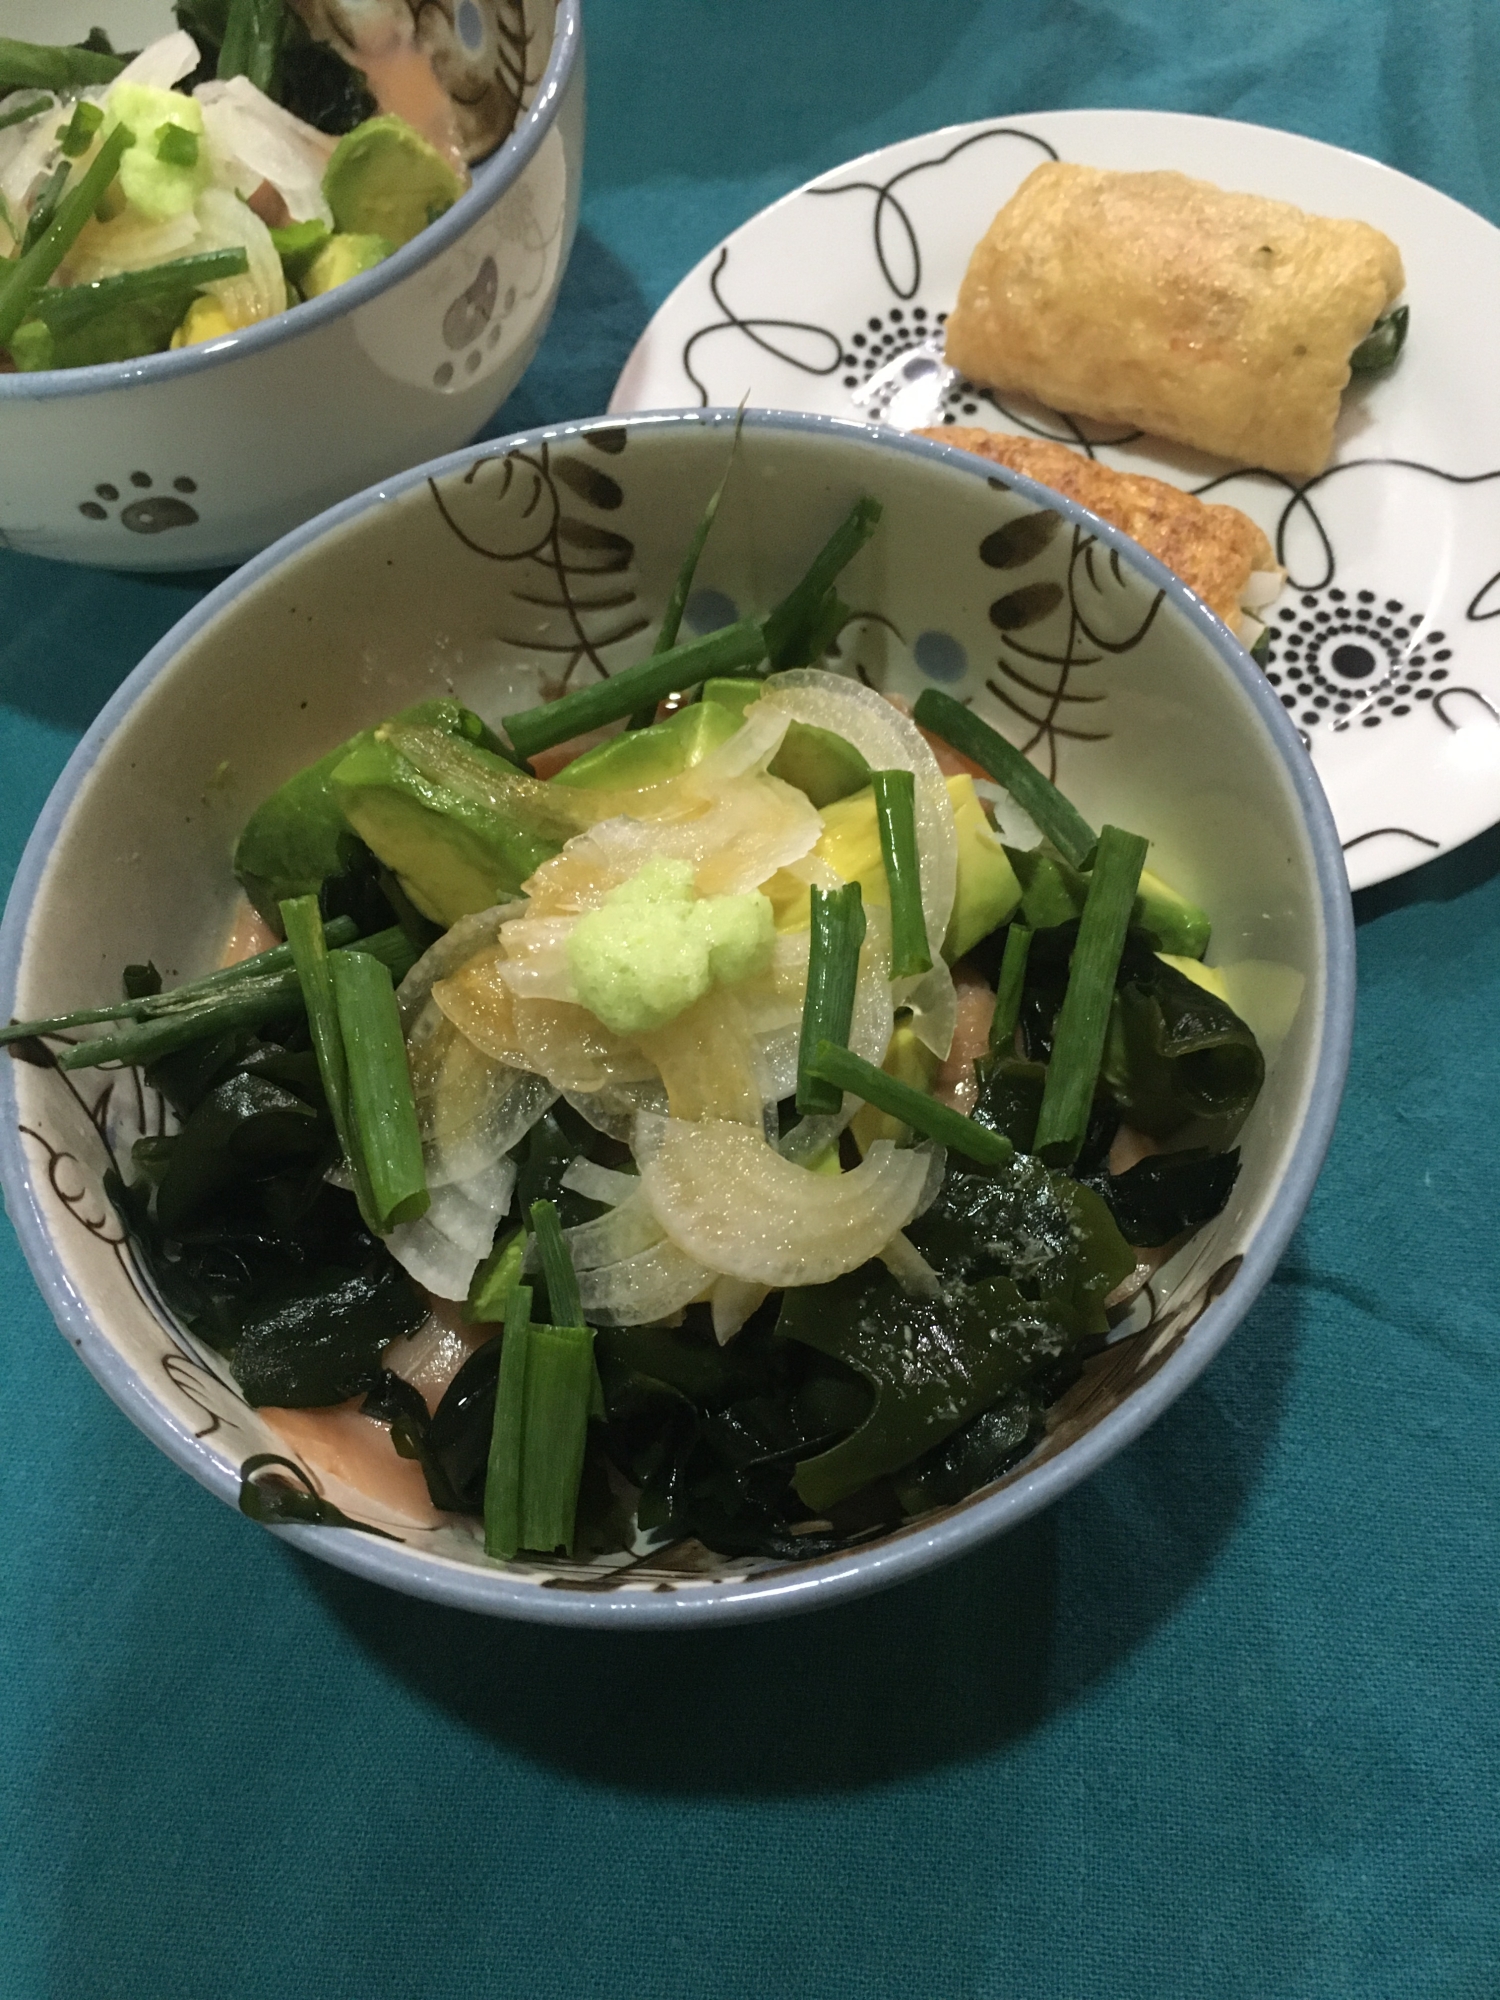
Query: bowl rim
{"points": [[821, 1581], [492, 178]]}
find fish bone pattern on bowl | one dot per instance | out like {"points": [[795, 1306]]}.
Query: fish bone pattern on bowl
{"points": [[561, 547]]}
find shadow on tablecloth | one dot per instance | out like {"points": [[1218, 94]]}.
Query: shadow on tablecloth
{"points": [[951, 1666]]}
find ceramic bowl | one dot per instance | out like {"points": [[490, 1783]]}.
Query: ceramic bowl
{"points": [[559, 547], [201, 457]]}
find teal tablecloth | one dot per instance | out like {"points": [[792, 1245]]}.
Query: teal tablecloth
{"points": [[1224, 1723]]}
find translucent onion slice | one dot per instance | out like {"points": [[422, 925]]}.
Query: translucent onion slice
{"points": [[933, 1003], [442, 1249], [614, 1109], [889, 741], [910, 1268], [251, 139], [536, 958], [458, 944], [597, 1183], [471, 1109], [225, 223], [734, 1204], [563, 1043], [709, 1062], [609, 1239], [735, 839], [652, 1285], [164, 62], [732, 1302]]}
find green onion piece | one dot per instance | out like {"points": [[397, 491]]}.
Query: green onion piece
{"points": [[251, 47], [648, 680], [384, 1111], [234, 1003], [48, 195], [22, 112], [310, 955], [843, 1070], [79, 133], [176, 146], [557, 1266], [249, 1004], [26, 277], [1007, 1014], [798, 630], [896, 815], [838, 931], [1083, 1018], [502, 1479], [1382, 343], [497, 1277], [45, 66], [559, 1393], [118, 318], [671, 622], [1061, 822]]}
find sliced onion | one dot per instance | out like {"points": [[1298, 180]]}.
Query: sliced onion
{"points": [[458, 944], [735, 839], [609, 1239], [614, 1109], [934, 1007], [649, 1286], [253, 139], [471, 1109], [443, 1248], [536, 964], [597, 1183], [910, 1268], [734, 1204], [733, 1301], [163, 62], [710, 1064], [226, 223], [889, 741]]}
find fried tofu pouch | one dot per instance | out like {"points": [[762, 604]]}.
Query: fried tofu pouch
{"points": [[1217, 551], [1221, 321]]}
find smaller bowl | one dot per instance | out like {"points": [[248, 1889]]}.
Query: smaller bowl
{"points": [[562, 546], [191, 459]]}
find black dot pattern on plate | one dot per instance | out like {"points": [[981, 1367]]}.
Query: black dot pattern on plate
{"points": [[883, 337], [1338, 658]]}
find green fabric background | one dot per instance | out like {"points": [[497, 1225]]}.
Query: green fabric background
{"points": [[1224, 1723]]}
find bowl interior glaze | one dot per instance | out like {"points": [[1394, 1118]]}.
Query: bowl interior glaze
{"points": [[560, 547]]}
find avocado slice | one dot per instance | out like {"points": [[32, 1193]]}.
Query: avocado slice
{"points": [[460, 835], [1180, 928], [299, 836], [385, 179], [908, 1061], [987, 893], [340, 258], [815, 761], [651, 756]]}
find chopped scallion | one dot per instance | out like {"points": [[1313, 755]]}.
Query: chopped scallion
{"points": [[1059, 820], [801, 626], [557, 1266], [535, 729], [838, 931], [25, 278], [843, 1070], [1007, 1014], [1083, 1018], [380, 1093], [502, 1481], [306, 942], [176, 146], [896, 815]]}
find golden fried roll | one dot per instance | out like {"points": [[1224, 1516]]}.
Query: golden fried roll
{"points": [[1217, 551], [1223, 321]]}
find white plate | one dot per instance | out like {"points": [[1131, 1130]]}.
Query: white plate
{"points": [[1386, 645]]}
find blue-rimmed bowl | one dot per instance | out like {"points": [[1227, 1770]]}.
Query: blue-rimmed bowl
{"points": [[200, 457], [560, 547]]}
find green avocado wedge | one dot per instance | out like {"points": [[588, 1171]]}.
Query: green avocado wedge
{"points": [[384, 179]]}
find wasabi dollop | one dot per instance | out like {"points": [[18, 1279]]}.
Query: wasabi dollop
{"points": [[653, 948]]}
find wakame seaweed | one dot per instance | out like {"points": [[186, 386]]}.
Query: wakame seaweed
{"points": [[1168, 1194]]}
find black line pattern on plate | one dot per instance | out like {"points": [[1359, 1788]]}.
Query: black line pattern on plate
{"points": [[1397, 832]]}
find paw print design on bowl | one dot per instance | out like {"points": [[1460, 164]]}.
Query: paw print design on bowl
{"points": [[1339, 657], [151, 513], [470, 323]]}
